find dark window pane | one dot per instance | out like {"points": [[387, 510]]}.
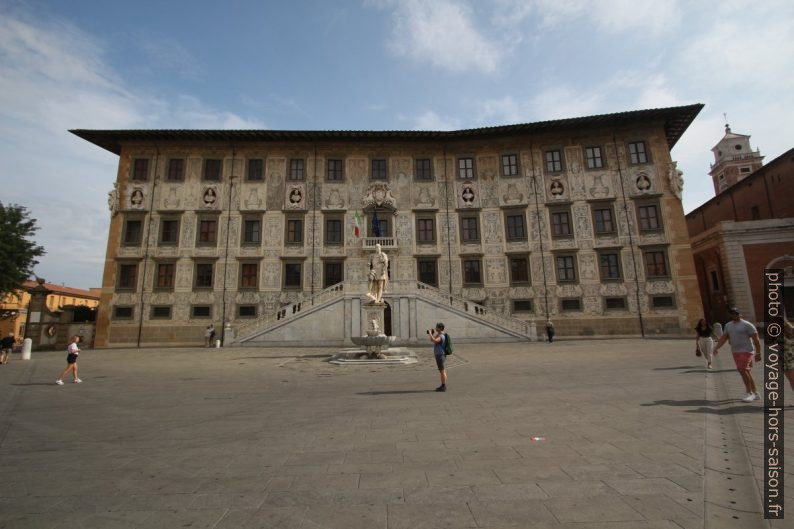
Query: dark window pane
{"points": [[204, 275], [609, 264], [128, 276], [570, 304], [122, 312], [201, 311], [140, 169], [469, 229], [246, 311], [249, 273], [593, 157], [161, 312], [465, 168], [515, 227], [292, 275], [423, 169], [334, 171], [427, 272], [333, 231], [471, 271], [255, 169], [165, 275], [603, 220], [566, 270], [379, 171], [333, 274], [615, 303], [519, 271], [212, 169], [252, 231], [522, 305], [560, 224], [176, 169], [553, 161], [425, 230], [132, 233], [655, 264], [663, 302], [169, 233], [295, 230], [637, 152], [207, 231], [649, 217], [296, 169], [509, 165]]}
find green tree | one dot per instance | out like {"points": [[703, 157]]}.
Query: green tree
{"points": [[17, 253]]}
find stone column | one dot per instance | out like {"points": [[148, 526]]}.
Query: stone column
{"points": [[36, 310]]}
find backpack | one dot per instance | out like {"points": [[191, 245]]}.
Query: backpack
{"points": [[447, 345]]}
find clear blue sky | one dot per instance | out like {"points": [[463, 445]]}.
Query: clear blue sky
{"points": [[373, 64]]}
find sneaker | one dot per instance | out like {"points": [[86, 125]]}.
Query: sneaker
{"points": [[77, 381], [59, 382], [749, 398], [709, 366], [756, 395], [442, 387]]}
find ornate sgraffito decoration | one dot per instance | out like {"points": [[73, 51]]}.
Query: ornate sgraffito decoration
{"points": [[334, 200], [599, 189], [171, 200], [643, 183], [113, 199], [512, 195], [676, 177], [209, 198], [252, 200], [295, 197], [136, 198], [424, 200], [378, 194]]}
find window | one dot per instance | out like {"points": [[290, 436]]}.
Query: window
{"points": [[333, 230], [121, 313], [603, 219], [249, 275], [514, 225], [570, 305], [132, 232], [637, 153], [560, 224], [332, 273], [294, 231], [201, 311], [655, 263], [519, 269], [522, 305], [169, 232], [252, 231], [165, 276], [649, 217], [204, 275], [296, 169], [469, 228], [566, 268], [553, 161], [465, 168], [379, 170], [140, 169], [423, 169], [425, 230], [662, 302], [212, 169], [207, 232], [383, 222], [509, 165], [161, 312], [744, 169], [472, 272], [721, 177], [428, 271], [615, 303], [715, 283], [755, 214], [246, 311], [128, 276], [176, 170], [609, 265], [333, 171], [255, 170], [593, 158], [292, 275]]}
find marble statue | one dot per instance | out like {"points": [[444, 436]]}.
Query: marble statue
{"points": [[378, 275]]}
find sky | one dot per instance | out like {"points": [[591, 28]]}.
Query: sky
{"points": [[365, 65]]}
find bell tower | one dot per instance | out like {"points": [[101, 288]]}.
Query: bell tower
{"points": [[734, 160]]}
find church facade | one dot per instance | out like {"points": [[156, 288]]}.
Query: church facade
{"points": [[576, 220]]}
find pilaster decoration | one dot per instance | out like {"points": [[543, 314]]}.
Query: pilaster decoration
{"points": [[137, 198], [468, 195], [210, 198], [378, 194], [113, 200], [295, 197], [676, 177]]}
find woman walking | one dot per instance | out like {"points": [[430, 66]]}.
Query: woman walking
{"points": [[703, 341], [71, 361]]}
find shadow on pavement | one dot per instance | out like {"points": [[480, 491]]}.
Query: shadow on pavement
{"points": [[397, 392], [674, 368], [709, 406], [695, 402], [35, 384], [709, 371]]}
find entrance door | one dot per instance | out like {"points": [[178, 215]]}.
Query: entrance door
{"points": [[387, 320]]}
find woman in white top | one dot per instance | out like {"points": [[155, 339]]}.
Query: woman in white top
{"points": [[71, 361]]}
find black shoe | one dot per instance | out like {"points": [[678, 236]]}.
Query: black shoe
{"points": [[442, 387]]}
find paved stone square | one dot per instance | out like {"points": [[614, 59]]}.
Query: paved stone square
{"points": [[578, 434]]}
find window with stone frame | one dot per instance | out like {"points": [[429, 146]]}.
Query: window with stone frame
{"points": [[637, 153], [256, 170], [565, 265], [603, 219], [207, 232], [570, 304], [469, 227], [164, 276], [425, 230], [133, 232], [176, 170], [140, 169], [648, 216], [466, 168], [423, 169], [609, 265], [519, 269], [333, 273], [246, 311], [252, 231], [334, 229], [523, 305], [123, 312], [379, 169], [201, 311], [553, 161], [561, 225], [655, 263], [127, 278], [334, 170], [515, 225], [615, 303], [203, 276], [593, 157], [510, 165], [293, 274], [427, 270], [212, 169], [663, 302], [472, 271], [161, 312], [294, 229], [169, 232], [297, 169], [249, 275]]}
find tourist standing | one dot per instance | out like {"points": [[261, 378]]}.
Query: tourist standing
{"points": [[703, 340], [743, 338], [6, 347], [550, 330], [208, 335], [439, 338], [71, 360]]}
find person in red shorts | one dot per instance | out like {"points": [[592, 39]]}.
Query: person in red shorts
{"points": [[743, 338]]}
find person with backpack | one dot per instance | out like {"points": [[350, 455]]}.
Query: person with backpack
{"points": [[442, 346]]}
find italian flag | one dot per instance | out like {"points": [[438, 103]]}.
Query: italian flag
{"points": [[358, 224]]}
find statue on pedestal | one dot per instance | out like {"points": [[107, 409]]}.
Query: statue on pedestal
{"points": [[378, 276]]}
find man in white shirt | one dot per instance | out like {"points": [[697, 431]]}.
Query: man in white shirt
{"points": [[743, 338]]}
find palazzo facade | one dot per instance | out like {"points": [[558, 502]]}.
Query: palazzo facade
{"points": [[576, 220]]}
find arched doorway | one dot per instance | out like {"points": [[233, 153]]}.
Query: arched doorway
{"points": [[387, 319]]}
